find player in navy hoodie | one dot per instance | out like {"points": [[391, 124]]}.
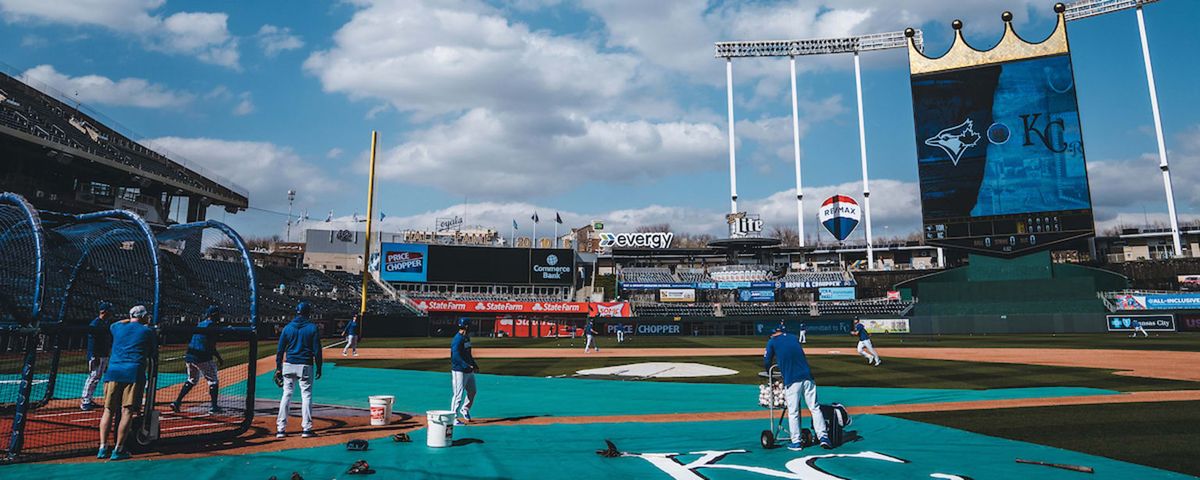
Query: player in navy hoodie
{"points": [[299, 352]]}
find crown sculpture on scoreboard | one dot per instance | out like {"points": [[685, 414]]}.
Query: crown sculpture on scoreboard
{"points": [[1011, 47]]}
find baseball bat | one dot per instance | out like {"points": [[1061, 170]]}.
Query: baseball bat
{"points": [[1074, 468]]}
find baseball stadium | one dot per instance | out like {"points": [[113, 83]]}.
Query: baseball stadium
{"points": [[140, 337]]}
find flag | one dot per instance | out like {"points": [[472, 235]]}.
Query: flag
{"points": [[534, 217], [330, 217], [382, 215], [557, 218], [515, 224]]}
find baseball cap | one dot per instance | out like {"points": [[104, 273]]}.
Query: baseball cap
{"points": [[212, 310], [104, 306], [138, 311], [303, 308], [464, 321], [781, 328]]}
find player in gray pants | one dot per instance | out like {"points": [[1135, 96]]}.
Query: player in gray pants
{"points": [[462, 373]]}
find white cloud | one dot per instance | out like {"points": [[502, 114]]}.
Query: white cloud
{"points": [[1122, 188], [334, 153], [98, 90], [202, 35], [505, 155], [273, 40], [245, 105], [475, 57], [265, 169]]}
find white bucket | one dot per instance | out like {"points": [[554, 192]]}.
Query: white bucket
{"points": [[381, 409], [440, 429]]}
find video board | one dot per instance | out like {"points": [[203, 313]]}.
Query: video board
{"points": [[1000, 156], [419, 263]]}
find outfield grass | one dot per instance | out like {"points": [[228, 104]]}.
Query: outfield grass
{"points": [[1160, 434], [1182, 341], [844, 371]]}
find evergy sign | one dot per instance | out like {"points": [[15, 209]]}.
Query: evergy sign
{"points": [[636, 240]]}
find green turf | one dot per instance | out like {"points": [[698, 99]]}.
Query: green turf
{"points": [[1182, 341], [1161, 434], [845, 371]]}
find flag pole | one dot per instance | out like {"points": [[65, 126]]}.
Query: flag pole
{"points": [[533, 244], [362, 309]]}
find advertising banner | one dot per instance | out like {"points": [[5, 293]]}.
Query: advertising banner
{"points": [[886, 325], [756, 295], [609, 309], [706, 286], [654, 286], [636, 240], [460, 306], [814, 327], [683, 295], [732, 285], [1159, 301], [893, 295], [764, 285], [551, 266], [524, 327], [1189, 323], [658, 329], [404, 262], [1189, 282], [836, 293], [1153, 323]]}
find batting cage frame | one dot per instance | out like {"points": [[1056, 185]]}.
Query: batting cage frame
{"points": [[61, 270]]}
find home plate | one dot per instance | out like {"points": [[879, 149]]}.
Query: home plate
{"points": [[660, 370]]}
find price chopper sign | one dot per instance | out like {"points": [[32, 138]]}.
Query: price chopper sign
{"points": [[743, 224]]}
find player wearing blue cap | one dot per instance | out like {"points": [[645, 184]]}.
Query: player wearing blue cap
{"points": [[462, 373], [865, 348], [351, 334], [785, 350], [298, 352], [1138, 328], [589, 331], [199, 360], [124, 382], [99, 344]]}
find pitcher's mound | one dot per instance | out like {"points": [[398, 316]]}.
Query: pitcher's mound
{"points": [[660, 370]]}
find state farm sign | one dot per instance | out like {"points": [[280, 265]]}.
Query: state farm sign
{"points": [[502, 307]]}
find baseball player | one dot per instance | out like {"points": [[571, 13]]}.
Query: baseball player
{"points": [[620, 333], [351, 334], [462, 373], [785, 350], [1137, 328], [300, 343], [99, 345], [203, 359], [865, 348], [803, 334], [590, 332], [125, 379]]}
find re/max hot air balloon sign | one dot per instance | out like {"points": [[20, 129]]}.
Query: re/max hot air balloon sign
{"points": [[839, 214]]}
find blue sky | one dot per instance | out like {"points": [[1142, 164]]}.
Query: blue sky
{"points": [[599, 109]]}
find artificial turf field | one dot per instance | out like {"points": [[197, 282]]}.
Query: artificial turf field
{"points": [[524, 412]]}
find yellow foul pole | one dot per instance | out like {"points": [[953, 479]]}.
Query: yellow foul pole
{"points": [[362, 310]]}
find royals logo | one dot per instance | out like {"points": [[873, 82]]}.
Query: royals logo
{"points": [[955, 140]]}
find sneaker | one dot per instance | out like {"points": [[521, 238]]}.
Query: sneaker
{"points": [[460, 423], [825, 443], [104, 453], [281, 434], [120, 455], [356, 354], [343, 353], [795, 446], [878, 361], [308, 434], [215, 410], [89, 406]]}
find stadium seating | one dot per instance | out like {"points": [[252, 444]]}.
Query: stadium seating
{"points": [[817, 279], [673, 309], [692, 276], [646, 275], [742, 273]]}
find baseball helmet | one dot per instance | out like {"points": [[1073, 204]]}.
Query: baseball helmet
{"points": [[211, 311], [464, 322], [303, 308]]}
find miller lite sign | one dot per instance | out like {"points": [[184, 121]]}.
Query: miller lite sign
{"points": [[742, 224]]}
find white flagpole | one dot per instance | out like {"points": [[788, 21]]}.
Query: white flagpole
{"points": [[1158, 131], [732, 139], [534, 243], [862, 146], [512, 238], [556, 232], [796, 145]]}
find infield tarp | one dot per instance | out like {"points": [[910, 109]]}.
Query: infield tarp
{"points": [[889, 448], [511, 396]]}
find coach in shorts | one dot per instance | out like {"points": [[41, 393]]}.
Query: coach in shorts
{"points": [[132, 342]]}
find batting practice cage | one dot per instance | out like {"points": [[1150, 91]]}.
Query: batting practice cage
{"points": [[60, 270]]}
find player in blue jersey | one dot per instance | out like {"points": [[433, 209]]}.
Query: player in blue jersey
{"points": [[99, 344], [203, 359], [351, 334], [865, 348], [785, 350], [296, 358], [462, 373]]}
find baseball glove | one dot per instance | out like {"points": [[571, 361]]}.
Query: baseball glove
{"points": [[279, 379]]}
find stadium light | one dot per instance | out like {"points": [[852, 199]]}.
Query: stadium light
{"points": [[792, 49], [1091, 8]]}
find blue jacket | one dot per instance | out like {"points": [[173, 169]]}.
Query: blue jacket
{"points": [[351, 328], [792, 362], [99, 340], [301, 342], [203, 346], [461, 359], [132, 344], [861, 330]]}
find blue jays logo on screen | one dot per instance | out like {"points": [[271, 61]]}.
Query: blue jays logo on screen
{"points": [[405, 262], [1000, 139], [839, 215]]}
